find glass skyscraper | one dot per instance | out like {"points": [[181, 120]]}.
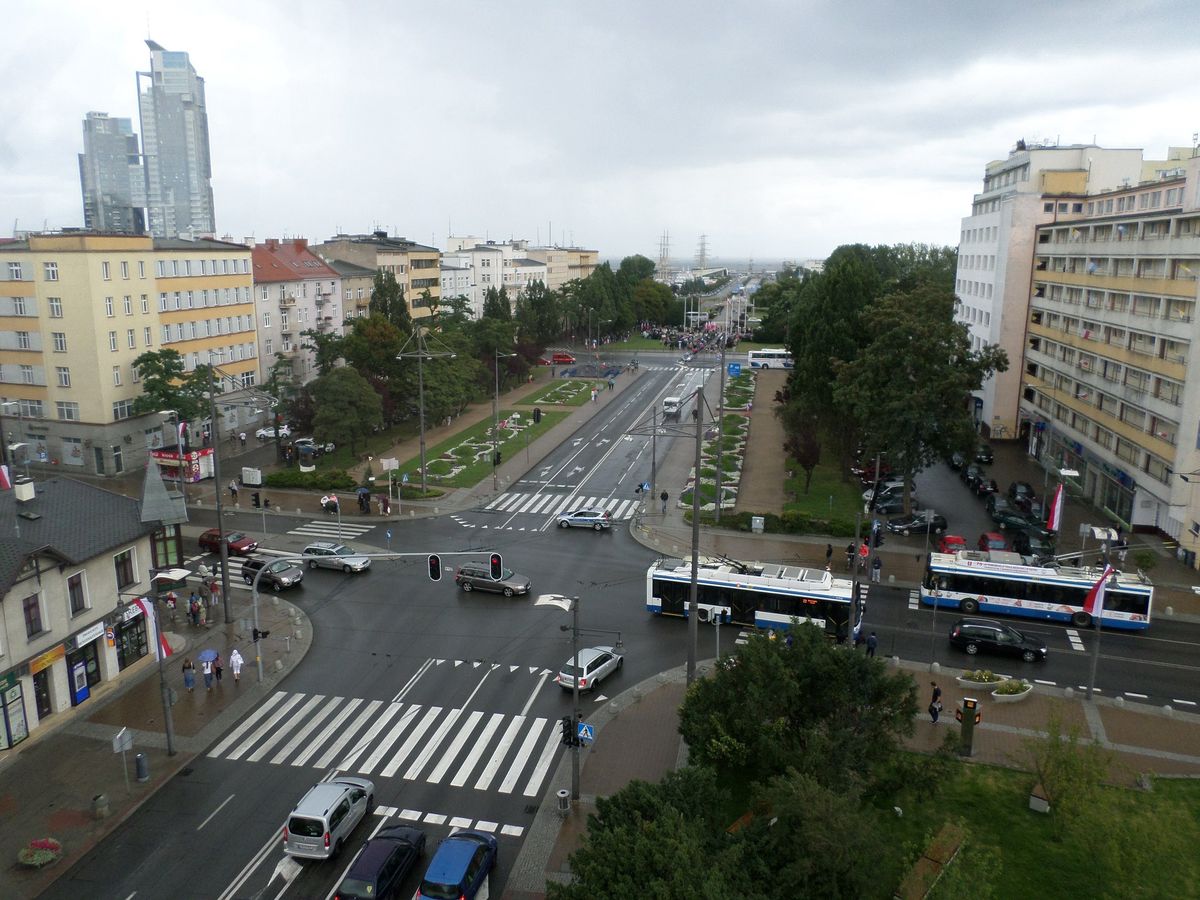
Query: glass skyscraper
{"points": [[111, 175]]}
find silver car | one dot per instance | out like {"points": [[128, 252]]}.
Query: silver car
{"points": [[324, 818], [332, 555], [594, 518], [593, 665]]}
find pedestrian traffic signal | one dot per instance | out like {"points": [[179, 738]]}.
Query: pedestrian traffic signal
{"points": [[568, 733], [259, 635], [435, 567], [496, 565]]}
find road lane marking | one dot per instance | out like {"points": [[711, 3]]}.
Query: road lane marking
{"points": [[489, 771], [543, 764], [455, 747], [247, 724], [432, 744], [348, 735], [265, 727], [411, 741], [313, 703], [1076, 641], [526, 748], [372, 733], [408, 686], [215, 811], [541, 681], [330, 729], [481, 742], [290, 747]]}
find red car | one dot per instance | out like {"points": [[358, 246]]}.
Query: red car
{"points": [[562, 359], [541, 361], [951, 543], [991, 540], [240, 544]]}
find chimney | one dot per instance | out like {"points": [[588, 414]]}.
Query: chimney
{"points": [[301, 244], [23, 490], [381, 235], [272, 243], [249, 242]]}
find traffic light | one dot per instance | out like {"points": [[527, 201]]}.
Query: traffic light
{"points": [[435, 567], [537, 415], [259, 635], [568, 733], [496, 565], [256, 500]]}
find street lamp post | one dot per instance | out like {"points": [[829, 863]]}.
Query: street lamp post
{"points": [[420, 354], [152, 597], [576, 714], [170, 414], [216, 449], [720, 434], [694, 591], [1091, 689], [929, 514], [495, 421]]}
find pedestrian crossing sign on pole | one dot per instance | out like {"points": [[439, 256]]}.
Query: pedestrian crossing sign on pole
{"points": [[585, 733], [404, 478]]}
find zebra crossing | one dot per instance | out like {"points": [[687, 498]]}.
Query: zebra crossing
{"points": [[328, 529], [553, 504], [388, 739]]}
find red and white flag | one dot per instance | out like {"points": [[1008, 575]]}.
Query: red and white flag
{"points": [[148, 610], [1094, 605], [1056, 505], [5, 479]]}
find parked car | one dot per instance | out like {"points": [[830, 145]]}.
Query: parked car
{"points": [[951, 543], [985, 486], [1032, 541], [956, 461], [989, 636], [477, 576], [586, 517], [562, 359], [318, 448], [460, 867], [1004, 514], [332, 555], [591, 667], [267, 432], [917, 523], [325, 816], [983, 455], [240, 543], [884, 488], [278, 573], [972, 475], [1021, 493], [992, 540], [380, 868], [892, 505], [541, 361]]}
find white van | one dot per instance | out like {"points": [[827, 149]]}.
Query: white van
{"points": [[672, 406]]}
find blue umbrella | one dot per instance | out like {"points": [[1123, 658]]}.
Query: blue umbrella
{"points": [[208, 655]]}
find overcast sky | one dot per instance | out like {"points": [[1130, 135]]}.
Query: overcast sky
{"points": [[778, 129]]}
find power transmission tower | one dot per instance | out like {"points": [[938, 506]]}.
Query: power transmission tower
{"points": [[702, 255], [664, 258]]}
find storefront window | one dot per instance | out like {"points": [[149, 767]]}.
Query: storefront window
{"points": [[131, 640]]}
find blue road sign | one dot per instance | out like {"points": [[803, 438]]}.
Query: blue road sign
{"points": [[735, 369], [585, 733], [404, 478], [389, 534]]}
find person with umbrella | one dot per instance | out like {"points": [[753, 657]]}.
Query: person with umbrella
{"points": [[364, 499], [206, 658]]}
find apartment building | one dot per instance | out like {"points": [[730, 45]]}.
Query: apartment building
{"points": [[295, 292], [77, 308], [358, 282], [1111, 375], [564, 264], [417, 268], [996, 252]]}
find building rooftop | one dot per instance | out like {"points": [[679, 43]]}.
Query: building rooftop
{"points": [[348, 269], [276, 261], [381, 239]]}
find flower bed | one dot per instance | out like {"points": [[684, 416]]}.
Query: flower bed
{"points": [[979, 678], [1011, 690], [40, 852]]}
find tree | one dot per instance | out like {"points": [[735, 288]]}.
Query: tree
{"points": [[827, 713], [1069, 770], [496, 305], [909, 388], [538, 315], [166, 384], [327, 348], [636, 269], [452, 312], [371, 348], [387, 301], [347, 407], [651, 301]]}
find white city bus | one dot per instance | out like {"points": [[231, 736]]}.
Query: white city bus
{"points": [[768, 596], [769, 359], [969, 581]]}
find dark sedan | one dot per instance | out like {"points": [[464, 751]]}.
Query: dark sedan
{"points": [[891, 505], [989, 636], [983, 455], [971, 475], [917, 523], [240, 544], [985, 486]]}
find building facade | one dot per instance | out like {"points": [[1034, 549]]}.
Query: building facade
{"points": [[417, 268], [996, 252], [1111, 375], [76, 309], [295, 292], [358, 282], [174, 119], [564, 264], [111, 176]]}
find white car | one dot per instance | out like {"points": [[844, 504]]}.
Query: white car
{"points": [[317, 447], [268, 431], [591, 666], [591, 517]]}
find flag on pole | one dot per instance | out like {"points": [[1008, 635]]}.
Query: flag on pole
{"points": [[1055, 519], [1094, 605], [5, 479], [147, 607]]}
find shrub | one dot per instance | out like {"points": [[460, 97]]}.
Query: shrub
{"points": [[1012, 686], [332, 480], [986, 676], [40, 852]]}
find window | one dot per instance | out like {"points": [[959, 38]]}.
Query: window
{"points": [[124, 270], [123, 563], [32, 409], [146, 339], [55, 307], [174, 267], [269, 346], [77, 593], [122, 409], [27, 374], [105, 271], [51, 271], [19, 306], [127, 305], [162, 302], [116, 376], [23, 341], [64, 376], [266, 320], [68, 411], [141, 268], [131, 339], [108, 307], [32, 607], [112, 341], [145, 304], [14, 271]]}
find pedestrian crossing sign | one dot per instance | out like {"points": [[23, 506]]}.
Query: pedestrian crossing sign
{"points": [[585, 732]]}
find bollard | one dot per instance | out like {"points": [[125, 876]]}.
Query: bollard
{"points": [[299, 635], [564, 801], [279, 665], [100, 806], [287, 644], [142, 766], [892, 580]]}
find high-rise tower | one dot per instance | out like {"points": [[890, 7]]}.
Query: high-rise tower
{"points": [[175, 146], [111, 176]]}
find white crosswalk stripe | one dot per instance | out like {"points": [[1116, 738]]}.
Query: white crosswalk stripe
{"points": [[914, 599], [502, 752], [554, 504], [329, 529]]}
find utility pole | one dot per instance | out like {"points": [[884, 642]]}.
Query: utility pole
{"points": [[576, 715], [693, 596], [720, 434], [222, 544], [420, 354]]}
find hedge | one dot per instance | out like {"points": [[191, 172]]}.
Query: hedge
{"points": [[331, 480], [788, 523]]}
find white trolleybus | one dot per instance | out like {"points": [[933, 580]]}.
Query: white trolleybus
{"points": [[769, 359], [763, 596], [973, 581]]}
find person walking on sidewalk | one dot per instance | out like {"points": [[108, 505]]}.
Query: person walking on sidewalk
{"points": [[849, 556], [872, 643], [876, 567], [189, 674], [206, 668], [864, 554], [218, 668], [233, 489], [242, 438], [935, 703], [664, 497], [194, 609], [828, 556], [235, 665]]}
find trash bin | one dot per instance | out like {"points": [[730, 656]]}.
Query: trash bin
{"points": [[142, 766], [100, 806], [756, 524], [564, 801]]}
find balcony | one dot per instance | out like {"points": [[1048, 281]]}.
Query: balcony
{"points": [[1173, 368], [1128, 284], [289, 300], [324, 324]]}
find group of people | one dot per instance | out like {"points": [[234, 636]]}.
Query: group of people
{"points": [[211, 670], [863, 554]]}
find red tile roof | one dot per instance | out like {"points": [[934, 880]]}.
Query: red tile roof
{"points": [[276, 260]]}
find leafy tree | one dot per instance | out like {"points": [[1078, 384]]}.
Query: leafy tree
{"points": [[371, 349], [166, 384], [453, 312], [387, 301], [636, 269], [1070, 771], [347, 408], [908, 388], [776, 301], [496, 305], [651, 301], [539, 315], [327, 348], [830, 714]]}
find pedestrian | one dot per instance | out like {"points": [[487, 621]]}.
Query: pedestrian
{"points": [[1122, 549], [242, 437], [194, 609], [849, 556], [828, 556], [857, 634], [872, 643], [864, 553], [189, 674], [233, 489], [610, 384], [218, 668], [664, 497], [235, 665], [172, 603], [206, 668], [876, 567], [214, 594], [593, 395], [202, 615], [935, 702]]}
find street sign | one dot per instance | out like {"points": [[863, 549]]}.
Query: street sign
{"points": [[122, 741], [735, 369], [389, 534], [585, 733], [404, 478]]}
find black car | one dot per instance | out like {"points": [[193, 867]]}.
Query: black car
{"points": [[917, 523], [983, 455], [985, 486], [1004, 514], [1032, 541], [956, 461], [382, 865], [972, 475], [277, 573], [891, 505], [1021, 493], [989, 636]]}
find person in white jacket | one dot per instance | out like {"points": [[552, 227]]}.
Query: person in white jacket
{"points": [[235, 665]]}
